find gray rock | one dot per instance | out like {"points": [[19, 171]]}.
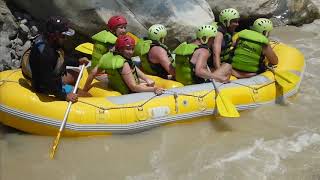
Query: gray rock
{"points": [[303, 11], [24, 28], [17, 41], [13, 54], [88, 17], [282, 12], [16, 63], [34, 30], [21, 49], [13, 35], [23, 21]]}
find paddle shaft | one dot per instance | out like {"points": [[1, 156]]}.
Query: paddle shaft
{"points": [[70, 103], [213, 83], [63, 124], [276, 73]]}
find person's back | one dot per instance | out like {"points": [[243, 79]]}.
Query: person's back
{"points": [[47, 58], [47, 61], [46, 70], [156, 58], [251, 49]]}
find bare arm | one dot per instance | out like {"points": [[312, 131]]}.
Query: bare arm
{"points": [[159, 55], [217, 50], [144, 76], [90, 78], [200, 58], [271, 56], [130, 81]]}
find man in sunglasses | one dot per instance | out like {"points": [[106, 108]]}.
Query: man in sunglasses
{"points": [[48, 62]]}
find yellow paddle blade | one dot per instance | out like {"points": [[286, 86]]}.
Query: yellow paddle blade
{"points": [[286, 78], [86, 48], [136, 39], [225, 107], [55, 145]]}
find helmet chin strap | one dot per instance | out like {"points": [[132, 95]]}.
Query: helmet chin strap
{"points": [[204, 41], [161, 40]]}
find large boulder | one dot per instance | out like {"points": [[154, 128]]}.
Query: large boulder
{"points": [[8, 32], [181, 17], [295, 12]]}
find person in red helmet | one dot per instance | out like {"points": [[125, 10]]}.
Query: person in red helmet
{"points": [[46, 62], [124, 76], [117, 25], [105, 40]]}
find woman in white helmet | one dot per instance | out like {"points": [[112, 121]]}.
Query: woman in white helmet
{"points": [[155, 56], [251, 49], [228, 22], [192, 59]]}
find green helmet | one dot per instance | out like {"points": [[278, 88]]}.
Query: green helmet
{"points": [[206, 31], [156, 32], [262, 25], [228, 15]]}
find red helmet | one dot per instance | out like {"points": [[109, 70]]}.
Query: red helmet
{"points": [[115, 21], [124, 41]]}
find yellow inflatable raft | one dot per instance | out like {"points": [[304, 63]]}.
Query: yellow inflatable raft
{"points": [[109, 112]]}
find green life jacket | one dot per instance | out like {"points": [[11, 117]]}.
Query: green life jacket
{"points": [[103, 42], [184, 68], [248, 54], [142, 50], [226, 46], [113, 64]]}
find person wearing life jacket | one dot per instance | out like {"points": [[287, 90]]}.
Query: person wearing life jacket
{"points": [[155, 56], [222, 46], [45, 62], [105, 40], [124, 76], [251, 49], [191, 59]]}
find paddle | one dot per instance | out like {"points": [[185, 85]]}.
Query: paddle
{"points": [[86, 48], [63, 124], [284, 78], [225, 107]]}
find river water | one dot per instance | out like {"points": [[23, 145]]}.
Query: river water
{"points": [[271, 142]]}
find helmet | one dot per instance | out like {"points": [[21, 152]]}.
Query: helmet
{"points": [[124, 41], [228, 15], [56, 24], [115, 21], [206, 31], [262, 25], [156, 32]]}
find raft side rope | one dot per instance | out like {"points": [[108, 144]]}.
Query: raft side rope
{"points": [[140, 106], [255, 90]]}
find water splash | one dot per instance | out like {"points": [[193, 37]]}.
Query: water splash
{"points": [[264, 157]]}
